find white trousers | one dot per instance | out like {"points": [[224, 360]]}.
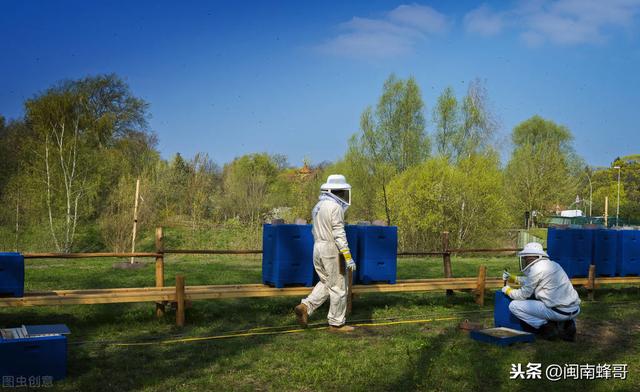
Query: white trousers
{"points": [[536, 314], [332, 285]]}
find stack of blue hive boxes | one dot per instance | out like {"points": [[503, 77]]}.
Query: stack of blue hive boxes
{"points": [[376, 254], [11, 274], [612, 251], [288, 254], [605, 251], [628, 253], [572, 249]]}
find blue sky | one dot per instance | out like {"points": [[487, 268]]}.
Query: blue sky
{"points": [[230, 78]]}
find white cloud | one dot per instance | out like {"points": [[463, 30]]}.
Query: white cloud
{"points": [[484, 21], [421, 17], [563, 22], [396, 33]]}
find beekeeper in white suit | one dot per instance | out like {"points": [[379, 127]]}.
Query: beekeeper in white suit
{"points": [[546, 301], [330, 241]]}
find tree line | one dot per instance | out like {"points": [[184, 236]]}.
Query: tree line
{"points": [[70, 163]]}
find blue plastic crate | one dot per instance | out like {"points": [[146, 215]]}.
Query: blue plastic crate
{"points": [[605, 252], [34, 357], [502, 316], [11, 274], [628, 252], [581, 252], [287, 255], [377, 254]]}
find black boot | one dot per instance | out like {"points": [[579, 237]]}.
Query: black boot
{"points": [[568, 330], [528, 328], [549, 331]]}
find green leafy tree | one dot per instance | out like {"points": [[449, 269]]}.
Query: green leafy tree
{"points": [[465, 199], [246, 183], [543, 169], [605, 184], [73, 123], [447, 123], [392, 138], [466, 127]]}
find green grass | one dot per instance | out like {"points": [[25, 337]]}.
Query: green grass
{"points": [[420, 356]]}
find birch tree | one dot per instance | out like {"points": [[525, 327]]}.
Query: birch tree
{"points": [[73, 123]]}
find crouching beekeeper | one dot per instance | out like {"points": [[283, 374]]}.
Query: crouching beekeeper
{"points": [[330, 241], [546, 302]]}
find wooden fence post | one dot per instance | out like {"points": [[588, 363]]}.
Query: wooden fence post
{"points": [[591, 285], [446, 258], [180, 300], [482, 277], [159, 267]]}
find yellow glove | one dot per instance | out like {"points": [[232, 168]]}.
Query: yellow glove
{"points": [[506, 290], [513, 279], [348, 260]]}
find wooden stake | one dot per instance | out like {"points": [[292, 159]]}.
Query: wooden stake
{"points": [[180, 296], [446, 258], [135, 220], [482, 277], [591, 286], [159, 267]]}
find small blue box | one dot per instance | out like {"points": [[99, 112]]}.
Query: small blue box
{"points": [[628, 252], [34, 357], [287, 255], [605, 252], [11, 274], [377, 254], [502, 316]]}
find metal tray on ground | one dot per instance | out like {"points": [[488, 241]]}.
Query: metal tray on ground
{"points": [[502, 336]]}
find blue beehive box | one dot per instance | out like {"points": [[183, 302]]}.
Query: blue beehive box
{"points": [[287, 255], [559, 247], [33, 356], [605, 252], [581, 252], [11, 274], [628, 252], [502, 316], [377, 254]]}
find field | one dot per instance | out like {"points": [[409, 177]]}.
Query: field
{"points": [[426, 351]]}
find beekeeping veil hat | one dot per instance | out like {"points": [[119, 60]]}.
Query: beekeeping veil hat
{"points": [[337, 186], [531, 249]]}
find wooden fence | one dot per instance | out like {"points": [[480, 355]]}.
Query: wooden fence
{"points": [[181, 293]]}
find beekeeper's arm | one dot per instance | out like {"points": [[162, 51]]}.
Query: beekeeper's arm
{"points": [[339, 235], [529, 285]]}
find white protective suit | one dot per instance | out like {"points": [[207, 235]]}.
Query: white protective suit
{"points": [[552, 289], [329, 241]]}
